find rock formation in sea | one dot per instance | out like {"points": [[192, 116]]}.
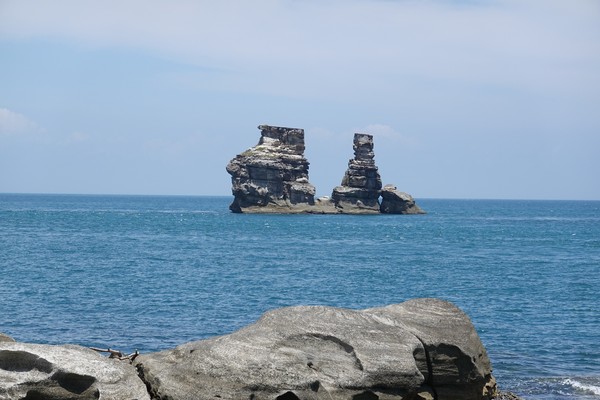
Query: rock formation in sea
{"points": [[272, 177], [397, 202], [416, 350], [361, 185]]}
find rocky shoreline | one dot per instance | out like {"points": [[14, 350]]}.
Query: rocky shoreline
{"points": [[272, 177], [422, 349]]}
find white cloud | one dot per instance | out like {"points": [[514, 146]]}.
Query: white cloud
{"points": [[13, 123], [339, 47]]}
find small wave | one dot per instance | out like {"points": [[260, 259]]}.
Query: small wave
{"points": [[588, 388]]}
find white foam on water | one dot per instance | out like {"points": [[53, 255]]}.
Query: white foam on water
{"points": [[585, 387]]}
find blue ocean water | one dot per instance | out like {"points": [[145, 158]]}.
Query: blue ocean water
{"points": [[150, 273]]}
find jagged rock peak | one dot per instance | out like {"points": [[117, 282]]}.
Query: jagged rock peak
{"points": [[363, 147], [273, 175], [277, 135]]}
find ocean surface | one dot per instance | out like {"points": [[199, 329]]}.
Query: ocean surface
{"points": [[150, 273]]}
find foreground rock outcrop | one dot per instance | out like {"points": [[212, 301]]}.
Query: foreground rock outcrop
{"points": [[420, 349], [272, 177], [37, 371]]}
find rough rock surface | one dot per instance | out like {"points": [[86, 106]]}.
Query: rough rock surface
{"points": [[273, 175], [394, 201], [506, 396], [361, 185], [420, 349], [36, 371]]}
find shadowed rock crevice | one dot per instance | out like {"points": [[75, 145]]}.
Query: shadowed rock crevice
{"points": [[429, 375], [72, 382], [287, 396], [22, 361], [368, 395]]}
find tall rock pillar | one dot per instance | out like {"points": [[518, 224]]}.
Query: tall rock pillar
{"points": [[361, 185]]}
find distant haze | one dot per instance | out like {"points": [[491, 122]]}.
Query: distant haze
{"points": [[465, 99]]}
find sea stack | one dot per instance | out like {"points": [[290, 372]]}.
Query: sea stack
{"points": [[273, 175], [361, 185]]}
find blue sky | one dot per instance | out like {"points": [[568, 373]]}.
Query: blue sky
{"points": [[490, 99]]}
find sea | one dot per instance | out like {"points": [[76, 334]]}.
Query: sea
{"points": [[153, 272]]}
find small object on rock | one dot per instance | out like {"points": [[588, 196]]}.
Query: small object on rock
{"points": [[117, 354]]}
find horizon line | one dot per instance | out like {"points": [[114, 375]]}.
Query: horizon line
{"points": [[230, 195]]}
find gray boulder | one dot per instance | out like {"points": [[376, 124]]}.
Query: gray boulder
{"points": [[396, 202], [421, 349], [36, 371]]}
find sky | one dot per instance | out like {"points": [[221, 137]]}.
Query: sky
{"points": [[476, 99]]}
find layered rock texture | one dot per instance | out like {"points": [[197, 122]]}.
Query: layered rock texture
{"points": [[420, 349], [272, 177], [36, 371], [361, 185]]}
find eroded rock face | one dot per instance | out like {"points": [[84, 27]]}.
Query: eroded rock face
{"points": [[361, 185], [36, 371], [394, 201], [421, 349], [273, 175]]}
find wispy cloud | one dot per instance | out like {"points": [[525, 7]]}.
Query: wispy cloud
{"points": [[13, 123], [339, 45]]}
